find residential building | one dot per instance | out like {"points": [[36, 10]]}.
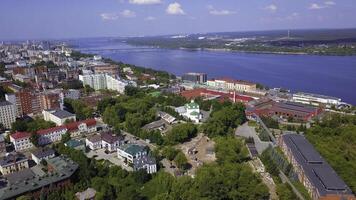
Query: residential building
{"points": [[13, 163], [51, 135], [137, 157], [21, 140], [129, 152], [81, 127], [50, 100], [12, 99], [166, 117], [112, 70], [27, 102], [93, 142], [42, 154], [22, 78], [318, 177], [230, 84], [71, 94], [105, 81], [195, 77], [316, 99], [2, 145], [59, 117], [110, 141], [147, 163], [7, 114]]}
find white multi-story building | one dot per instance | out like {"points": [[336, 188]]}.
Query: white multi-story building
{"points": [[81, 127], [59, 117], [7, 113], [21, 140], [93, 142], [105, 81], [50, 135], [42, 154], [229, 84], [137, 157], [111, 142], [315, 99]]}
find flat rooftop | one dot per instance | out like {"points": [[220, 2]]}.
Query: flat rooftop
{"points": [[319, 172], [35, 178], [317, 96]]}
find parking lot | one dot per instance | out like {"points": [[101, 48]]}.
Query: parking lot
{"points": [[112, 157]]}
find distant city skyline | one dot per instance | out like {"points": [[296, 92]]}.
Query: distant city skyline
{"points": [[50, 19]]}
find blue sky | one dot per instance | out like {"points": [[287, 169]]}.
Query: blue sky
{"points": [[39, 19]]}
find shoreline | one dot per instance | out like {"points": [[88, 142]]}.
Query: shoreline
{"points": [[241, 51]]}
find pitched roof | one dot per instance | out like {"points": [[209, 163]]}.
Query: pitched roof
{"points": [[319, 172], [12, 158], [20, 135], [51, 130], [41, 153], [133, 149], [110, 137], [94, 138], [74, 125]]}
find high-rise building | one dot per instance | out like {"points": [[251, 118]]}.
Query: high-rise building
{"points": [[7, 114], [105, 81], [50, 100], [195, 77]]}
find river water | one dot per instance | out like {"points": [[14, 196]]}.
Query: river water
{"points": [[328, 75]]}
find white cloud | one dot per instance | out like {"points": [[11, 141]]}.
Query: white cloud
{"points": [[315, 6], [329, 3], [271, 8], [214, 11], [150, 18], [109, 16], [145, 2], [175, 9], [128, 14]]}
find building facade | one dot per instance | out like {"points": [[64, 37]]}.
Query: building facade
{"points": [[59, 117], [316, 99], [318, 177], [13, 163], [230, 84], [7, 114], [195, 77], [21, 140]]}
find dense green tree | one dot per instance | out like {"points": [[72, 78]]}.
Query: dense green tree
{"points": [[170, 152], [225, 120], [181, 161], [230, 150], [181, 133], [78, 107]]}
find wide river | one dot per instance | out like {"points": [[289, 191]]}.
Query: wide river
{"points": [[328, 75]]}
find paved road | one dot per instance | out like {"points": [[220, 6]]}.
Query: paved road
{"points": [[247, 131]]}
